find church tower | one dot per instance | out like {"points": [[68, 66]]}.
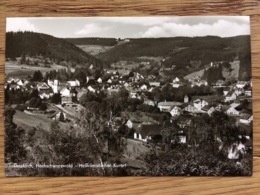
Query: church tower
{"points": [[186, 99]]}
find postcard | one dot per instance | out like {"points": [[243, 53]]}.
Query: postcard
{"points": [[128, 96]]}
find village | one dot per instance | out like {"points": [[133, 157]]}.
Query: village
{"points": [[61, 101]]}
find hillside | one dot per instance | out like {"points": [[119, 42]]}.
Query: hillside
{"points": [[56, 49], [186, 53], [93, 41]]}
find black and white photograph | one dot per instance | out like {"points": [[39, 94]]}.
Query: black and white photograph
{"points": [[128, 96]]}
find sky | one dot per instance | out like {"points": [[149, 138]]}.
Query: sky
{"points": [[133, 27]]}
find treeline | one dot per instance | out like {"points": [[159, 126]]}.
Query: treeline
{"points": [[58, 50], [93, 41]]}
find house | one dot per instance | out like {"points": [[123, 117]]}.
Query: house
{"points": [[65, 92], [46, 93], [135, 95], [200, 103], [176, 83], [154, 84], [75, 83], [134, 119], [150, 102], [176, 80], [180, 138], [143, 87], [225, 91], [246, 118], [231, 111], [167, 106], [231, 96], [248, 92], [208, 109], [14, 86], [99, 80], [146, 132], [175, 111], [109, 81], [42, 86], [91, 89], [198, 82], [241, 84], [190, 108], [220, 83]]}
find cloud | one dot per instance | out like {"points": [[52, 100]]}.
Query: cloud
{"points": [[90, 29], [144, 21], [19, 24], [222, 28]]}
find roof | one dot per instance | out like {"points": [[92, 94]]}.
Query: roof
{"points": [[246, 116], [149, 129], [241, 83], [46, 91], [208, 98], [206, 108], [139, 117], [170, 103]]}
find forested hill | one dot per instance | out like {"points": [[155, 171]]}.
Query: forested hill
{"points": [[56, 49], [93, 41], [181, 51]]}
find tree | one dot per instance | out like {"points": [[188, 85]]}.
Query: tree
{"points": [[37, 76], [14, 149], [56, 98], [62, 117]]}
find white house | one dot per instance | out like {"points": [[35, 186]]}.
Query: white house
{"points": [[91, 89], [241, 84], [154, 84], [99, 80], [75, 83], [166, 106], [199, 82], [175, 111], [149, 102], [176, 80], [135, 95], [232, 111], [144, 87], [246, 119], [65, 92], [42, 86], [248, 92], [231, 96], [109, 81]]}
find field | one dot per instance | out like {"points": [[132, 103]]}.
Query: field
{"points": [[13, 69], [94, 49], [194, 75], [28, 121]]}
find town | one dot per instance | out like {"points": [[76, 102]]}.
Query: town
{"points": [[182, 112]]}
